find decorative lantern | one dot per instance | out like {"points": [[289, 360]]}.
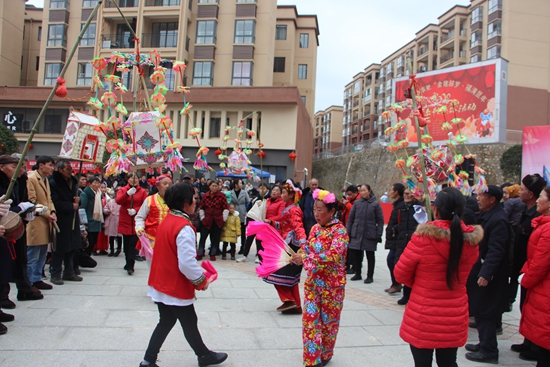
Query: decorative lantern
{"points": [[218, 152], [292, 156], [261, 154]]}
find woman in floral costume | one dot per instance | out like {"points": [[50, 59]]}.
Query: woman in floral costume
{"points": [[324, 258]]}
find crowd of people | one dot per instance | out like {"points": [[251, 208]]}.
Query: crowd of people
{"points": [[459, 268]]}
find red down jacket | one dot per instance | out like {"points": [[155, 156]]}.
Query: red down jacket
{"points": [[436, 316], [535, 317]]}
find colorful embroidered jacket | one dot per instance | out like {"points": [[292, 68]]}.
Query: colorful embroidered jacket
{"points": [[291, 226], [324, 255]]}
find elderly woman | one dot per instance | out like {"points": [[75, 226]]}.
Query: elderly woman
{"points": [[153, 211], [213, 213], [365, 227], [324, 258]]}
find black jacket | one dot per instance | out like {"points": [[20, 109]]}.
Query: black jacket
{"points": [[68, 239], [523, 232], [391, 229], [492, 265], [406, 225]]}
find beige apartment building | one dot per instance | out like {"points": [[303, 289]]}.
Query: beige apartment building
{"points": [[12, 22], [32, 37], [242, 56], [327, 130], [486, 29]]}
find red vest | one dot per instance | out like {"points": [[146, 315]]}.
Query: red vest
{"points": [[165, 275]]}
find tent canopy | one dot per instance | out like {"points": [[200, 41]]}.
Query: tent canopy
{"points": [[261, 174]]}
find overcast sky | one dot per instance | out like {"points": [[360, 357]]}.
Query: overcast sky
{"points": [[357, 33]]}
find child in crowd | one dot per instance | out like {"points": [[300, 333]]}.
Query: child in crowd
{"points": [[111, 212], [230, 231], [227, 192]]}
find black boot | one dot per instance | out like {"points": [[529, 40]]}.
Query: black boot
{"points": [[212, 358]]}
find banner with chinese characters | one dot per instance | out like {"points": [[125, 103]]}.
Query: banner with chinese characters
{"points": [[536, 151], [480, 89]]}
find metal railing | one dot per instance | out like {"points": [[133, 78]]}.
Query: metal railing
{"points": [[162, 39], [122, 4], [162, 2], [115, 40]]}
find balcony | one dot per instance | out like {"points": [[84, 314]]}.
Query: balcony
{"points": [[445, 58], [161, 40], [122, 3], [162, 2], [368, 82], [117, 41], [446, 38]]}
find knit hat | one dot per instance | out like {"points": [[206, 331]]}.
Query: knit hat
{"points": [[534, 183], [513, 191], [7, 159]]}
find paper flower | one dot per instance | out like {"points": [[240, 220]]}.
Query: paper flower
{"points": [[194, 132], [179, 66], [95, 104], [99, 63]]}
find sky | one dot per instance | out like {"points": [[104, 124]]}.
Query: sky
{"points": [[357, 33]]}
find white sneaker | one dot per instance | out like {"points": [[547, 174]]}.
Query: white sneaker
{"points": [[257, 261], [242, 259]]}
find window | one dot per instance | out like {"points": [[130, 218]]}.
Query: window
{"points": [[244, 31], [84, 74], [164, 35], [280, 32], [242, 73], [202, 72], [39, 33], [206, 31], [187, 40], [494, 5], [208, 1], [89, 3], [475, 58], [124, 37], [368, 94], [56, 35], [51, 72], [303, 99], [190, 6], [400, 61], [37, 62], [52, 124], [279, 65], [493, 29], [389, 68], [246, 1], [304, 40], [493, 52], [356, 87], [215, 125], [477, 14], [88, 38], [59, 4], [302, 71], [475, 38]]}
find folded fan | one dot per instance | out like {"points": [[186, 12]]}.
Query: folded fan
{"points": [[209, 271], [257, 212], [146, 249], [276, 253]]}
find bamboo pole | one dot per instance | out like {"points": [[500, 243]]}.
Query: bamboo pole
{"points": [[420, 145], [50, 97]]}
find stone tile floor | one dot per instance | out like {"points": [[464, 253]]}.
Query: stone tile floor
{"points": [[107, 320]]}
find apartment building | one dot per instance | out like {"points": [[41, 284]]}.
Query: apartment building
{"points": [[11, 40], [243, 56], [32, 37], [327, 130], [486, 29]]}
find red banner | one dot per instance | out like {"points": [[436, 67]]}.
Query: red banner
{"points": [[475, 90]]}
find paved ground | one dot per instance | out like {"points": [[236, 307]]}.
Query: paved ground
{"points": [[107, 320]]}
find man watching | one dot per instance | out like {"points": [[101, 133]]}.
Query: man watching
{"points": [[306, 204], [488, 281], [396, 194]]}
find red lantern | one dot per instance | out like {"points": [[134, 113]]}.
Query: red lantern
{"points": [[261, 154], [30, 146], [218, 152], [292, 156]]}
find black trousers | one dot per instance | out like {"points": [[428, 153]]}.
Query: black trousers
{"points": [[444, 357], [130, 243], [486, 328], [112, 243], [20, 276], [243, 234], [248, 245], [92, 240], [232, 245], [215, 233], [167, 319], [60, 258], [544, 357], [390, 260], [357, 259]]}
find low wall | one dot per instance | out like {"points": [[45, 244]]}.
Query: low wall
{"points": [[375, 167]]}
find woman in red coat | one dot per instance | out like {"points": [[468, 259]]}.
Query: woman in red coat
{"points": [[130, 198], [213, 213], [436, 264], [535, 315], [275, 205]]}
